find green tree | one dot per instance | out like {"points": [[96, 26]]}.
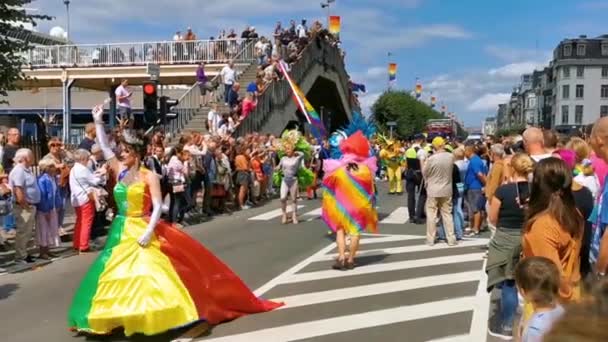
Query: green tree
{"points": [[410, 114], [12, 19]]}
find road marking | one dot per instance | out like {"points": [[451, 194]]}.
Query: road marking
{"points": [[376, 289], [271, 214], [455, 338], [393, 266], [313, 214], [481, 313], [408, 249], [398, 216], [364, 320]]}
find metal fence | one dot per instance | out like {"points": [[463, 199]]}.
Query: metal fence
{"points": [[125, 54]]}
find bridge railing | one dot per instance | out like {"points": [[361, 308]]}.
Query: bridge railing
{"points": [[126, 54], [278, 94]]}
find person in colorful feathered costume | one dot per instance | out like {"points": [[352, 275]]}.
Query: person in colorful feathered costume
{"points": [[291, 174], [348, 198], [392, 157]]}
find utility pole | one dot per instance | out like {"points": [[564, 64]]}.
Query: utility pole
{"points": [[67, 12]]}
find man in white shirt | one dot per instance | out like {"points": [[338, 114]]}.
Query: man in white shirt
{"points": [[534, 142], [177, 37], [213, 120], [301, 30], [123, 99], [82, 183], [228, 75]]}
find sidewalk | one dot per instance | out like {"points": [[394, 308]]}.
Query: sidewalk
{"points": [[64, 250]]}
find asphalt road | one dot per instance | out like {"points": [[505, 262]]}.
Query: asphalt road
{"points": [[401, 291]]}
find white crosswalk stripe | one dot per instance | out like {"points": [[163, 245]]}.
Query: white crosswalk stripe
{"points": [[399, 215], [400, 284]]}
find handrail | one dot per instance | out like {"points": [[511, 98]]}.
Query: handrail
{"points": [[190, 102], [141, 53], [278, 94]]}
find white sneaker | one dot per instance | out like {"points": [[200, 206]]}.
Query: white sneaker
{"points": [[245, 207]]}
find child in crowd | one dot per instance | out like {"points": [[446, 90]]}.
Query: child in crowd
{"points": [[587, 177], [538, 280]]}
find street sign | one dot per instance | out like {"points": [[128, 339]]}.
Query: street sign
{"points": [[153, 70], [391, 123]]}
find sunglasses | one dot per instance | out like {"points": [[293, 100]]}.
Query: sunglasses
{"points": [[55, 145]]}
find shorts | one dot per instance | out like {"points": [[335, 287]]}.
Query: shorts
{"points": [[124, 112], [476, 200], [204, 87], [243, 178]]}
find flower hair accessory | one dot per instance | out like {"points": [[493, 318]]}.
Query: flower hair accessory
{"points": [[131, 138]]}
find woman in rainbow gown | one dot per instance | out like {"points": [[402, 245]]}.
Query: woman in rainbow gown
{"points": [[348, 199], [152, 277]]}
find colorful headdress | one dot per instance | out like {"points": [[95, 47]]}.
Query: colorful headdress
{"points": [[356, 144], [357, 124], [294, 138]]}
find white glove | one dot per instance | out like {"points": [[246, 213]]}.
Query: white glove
{"points": [[145, 238], [97, 113]]}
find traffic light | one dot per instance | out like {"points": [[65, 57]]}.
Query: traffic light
{"points": [[150, 103], [166, 104]]}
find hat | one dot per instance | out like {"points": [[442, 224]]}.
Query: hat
{"points": [[438, 142]]}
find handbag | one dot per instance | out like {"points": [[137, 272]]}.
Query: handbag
{"points": [[218, 190]]}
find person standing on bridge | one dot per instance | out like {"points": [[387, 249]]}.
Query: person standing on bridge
{"points": [[228, 75], [123, 99]]}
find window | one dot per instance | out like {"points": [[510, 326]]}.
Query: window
{"points": [[604, 93], [580, 71], [605, 49], [605, 71], [568, 50], [565, 91], [564, 115], [580, 91], [581, 49], [578, 114], [603, 111], [566, 72]]}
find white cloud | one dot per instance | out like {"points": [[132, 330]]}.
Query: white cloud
{"points": [[512, 54], [515, 70], [367, 101], [489, 102]]}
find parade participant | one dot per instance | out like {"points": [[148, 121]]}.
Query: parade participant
{"points": [[348, 199], [393, 159], [152, 277], [291, 175]]}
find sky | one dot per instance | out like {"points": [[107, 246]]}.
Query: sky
{"points": [[468, 53]]}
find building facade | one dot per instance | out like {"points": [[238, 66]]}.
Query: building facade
{"points": [[570, 93], [581, 81], [489, 126]]}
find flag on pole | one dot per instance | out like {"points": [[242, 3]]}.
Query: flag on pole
{"points": [[433, 101], [334, 24], [418, 89], [305, 107], [444, 109], [392, 71]]}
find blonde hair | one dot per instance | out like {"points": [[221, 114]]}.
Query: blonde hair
{"points": [[458, 153], [45, 164], [580, 147], [522, 164]]}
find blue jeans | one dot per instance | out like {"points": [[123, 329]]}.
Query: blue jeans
{"points": [[458, 217], [9, 222], [227, 88], [508, 302]]}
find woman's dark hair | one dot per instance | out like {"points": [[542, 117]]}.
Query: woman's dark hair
{"points": [[552, 194], [539, 277], [135, 141]]}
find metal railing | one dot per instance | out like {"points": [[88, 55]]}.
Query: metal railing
{"points": [[127, 54], [191, 102], [277, 94]]}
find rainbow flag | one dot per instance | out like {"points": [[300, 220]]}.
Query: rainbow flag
{"points": [[334, 24], [418, 89], [392, 71], [305, 107], [433, 101]]}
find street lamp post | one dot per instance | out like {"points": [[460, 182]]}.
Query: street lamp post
{"points": [[327, 5], [67, 11]]}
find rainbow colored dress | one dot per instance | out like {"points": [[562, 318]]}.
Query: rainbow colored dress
{"points": [[173, 282], [349, 195]]}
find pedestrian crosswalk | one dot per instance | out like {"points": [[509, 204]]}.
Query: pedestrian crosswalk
{"points": [[401, 290], [400, 215]]}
